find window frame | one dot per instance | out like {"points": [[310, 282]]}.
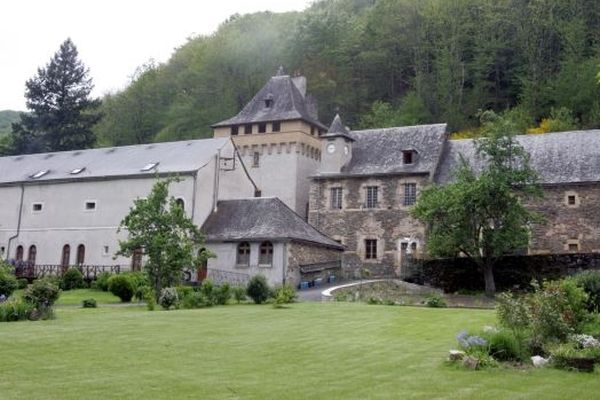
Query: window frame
{"points": [[371, 196], [256, 159], [370, 249], [265, 254], [88, 202], [409, 198], [35, 204], [262, 127], [248, 129], [336, 198], [234, 130], [276, 126], [242, 254]]}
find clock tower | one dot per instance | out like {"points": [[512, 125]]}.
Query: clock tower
{"points": [[336, 147]]}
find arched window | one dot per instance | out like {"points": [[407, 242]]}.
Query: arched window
{"points": [[243, 254], [80, 254], [19, 254], [31, 255], [266, 253], [181, 203], [65, 259], [136, 260]]}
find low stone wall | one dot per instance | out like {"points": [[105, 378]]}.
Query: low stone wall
{"points": [[456, 274]]}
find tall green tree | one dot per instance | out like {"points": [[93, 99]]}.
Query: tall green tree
{"points": [[481, 215], [61, 113], [167, 237]]}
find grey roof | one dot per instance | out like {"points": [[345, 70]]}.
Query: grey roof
{"points": [[266, 218], [337, 129], [561, 157], [172, 157], [290, 102], [379, 151]]}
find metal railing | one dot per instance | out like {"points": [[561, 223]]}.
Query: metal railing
{"points": [[26, 270]]}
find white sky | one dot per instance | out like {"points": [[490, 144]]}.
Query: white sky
{"points": [[113, 37]]}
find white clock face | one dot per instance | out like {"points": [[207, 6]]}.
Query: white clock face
{"points": [[330, 148], [346, 150]]}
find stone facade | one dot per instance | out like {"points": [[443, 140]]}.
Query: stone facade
{"points": [[300, 254], [571, 220], [399, 237]]}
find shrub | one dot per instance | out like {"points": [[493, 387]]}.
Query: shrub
{"points": [[285, 294], [183, 291], [436, 301], [121, 285], [138, 278], [589, 281], [505, 345], [41, 295], [207, 291], [168, 298], [101, 282], [513, 312], [72, 279], [22, 283], [239, 294], [258, 289], [558, 309], [8, 282], [592, 326], [89, 303], [222, 294], [193, 300], [16, 310]]}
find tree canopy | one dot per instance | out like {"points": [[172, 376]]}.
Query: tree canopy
{"points": [[384, 62], [167, 237], [481, 214], [61, 113]]}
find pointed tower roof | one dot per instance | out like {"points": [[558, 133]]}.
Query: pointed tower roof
{"points": [[282, 98], [338, 129]]}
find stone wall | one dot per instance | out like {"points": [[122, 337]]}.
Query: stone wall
{"points": [[389, 223], [511, 272], [302, 254], [567, 228]]}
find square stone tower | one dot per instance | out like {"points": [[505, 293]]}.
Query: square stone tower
{"points": [[277, 138]]}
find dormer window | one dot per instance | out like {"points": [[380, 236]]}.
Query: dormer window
{"points": [[149, 167], [269, 101], [39, 174], [408, 157]]}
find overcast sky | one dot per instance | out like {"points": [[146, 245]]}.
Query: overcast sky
{"points": [[113, 36]]}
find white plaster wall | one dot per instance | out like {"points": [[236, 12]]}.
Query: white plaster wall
{"points": [[226, 261]]}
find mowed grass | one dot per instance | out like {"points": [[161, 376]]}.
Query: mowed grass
{"points": [[76, 297], [307, 351]]}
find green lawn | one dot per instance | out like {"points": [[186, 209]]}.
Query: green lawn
{"points": [[310, 350]]}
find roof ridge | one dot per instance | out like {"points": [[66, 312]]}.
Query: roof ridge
{"points": [[399, 127]]}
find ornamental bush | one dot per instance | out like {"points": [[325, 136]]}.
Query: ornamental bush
{"points": [[101, 282], [122, 286], [435, 301], [239, 294], [22, 283], [89, 303], [589, 281], [42, 293], [168, 298], [221, 294], [8, 282], [72, 279], [15, 310], [285, 294], [258, 289]]}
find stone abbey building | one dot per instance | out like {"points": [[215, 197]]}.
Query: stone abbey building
{"points": [[279, 193]]}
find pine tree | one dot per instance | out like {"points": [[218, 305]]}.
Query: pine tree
{"points": [[61, 113]]}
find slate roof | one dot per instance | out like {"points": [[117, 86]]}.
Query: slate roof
{"points": [[337, 129], [290, 102], [172, 157], [379, 151], [561, 157], [265, 218]]}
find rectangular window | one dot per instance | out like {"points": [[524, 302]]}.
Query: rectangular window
{"points": [[370, 249], [234, 130], [410, 194], [90, 205], [407, 157], [371, 197], [262, 127], [571, 200], [256, 159], [248, 129], [276, 126], [336, 198], [312, 130], [37, 207]]}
